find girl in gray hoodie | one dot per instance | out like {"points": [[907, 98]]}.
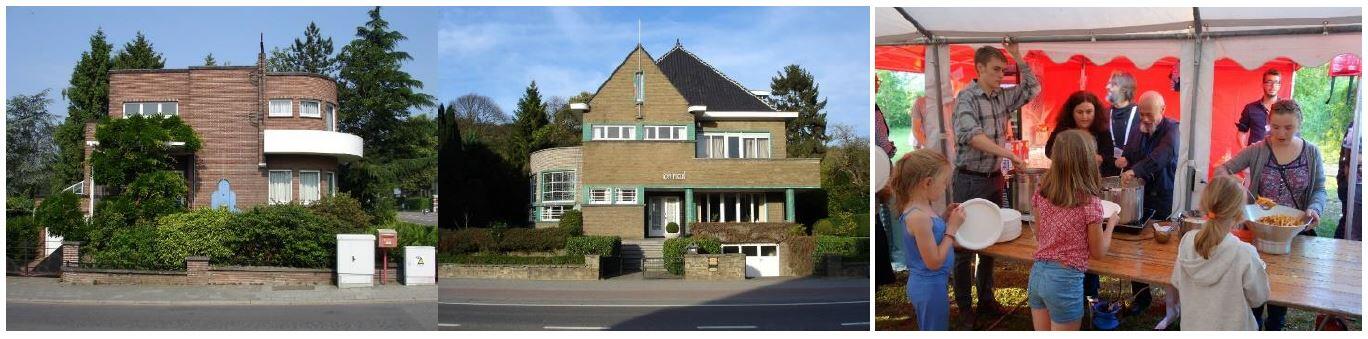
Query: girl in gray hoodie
{"points": [[1217, 275]]}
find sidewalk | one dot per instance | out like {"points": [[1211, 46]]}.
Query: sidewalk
{"points": [[51, 290], [648, 292]]}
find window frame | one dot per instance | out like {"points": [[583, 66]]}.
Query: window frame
{"points": [[318, 113], [619, 194], [161, 108], [678, 133], [625, 132], [271, 108], [604, 196], [546, 214], [705, 149], [547, 178], [317, 186], [270, 180]]}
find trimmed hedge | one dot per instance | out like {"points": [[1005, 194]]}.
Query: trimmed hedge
{"points": [[572, 223], [606, 246], [674, 250], [499, 259], [467, 240], [286, 235], [531, 240], [843, 246], [21, 240], [345, 210], [205, 232]]}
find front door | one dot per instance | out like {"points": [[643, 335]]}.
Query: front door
{"points": [[663, 211]]}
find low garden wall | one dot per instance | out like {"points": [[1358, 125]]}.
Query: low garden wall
{"points": [[590, 270], [715, 266], [199, 272]]}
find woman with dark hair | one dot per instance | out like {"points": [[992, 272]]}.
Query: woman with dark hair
{"points": [[1080, 112]]}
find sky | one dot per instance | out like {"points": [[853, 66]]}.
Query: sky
{"points": [[43, 44], [497, 52]]}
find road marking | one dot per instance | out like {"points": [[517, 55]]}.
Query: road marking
{"points": [[574, 328], [659, 305], [737, 327], [448, 325], [856, 324]]}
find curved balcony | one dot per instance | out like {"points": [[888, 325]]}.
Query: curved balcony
{"points": [[346, 147]]}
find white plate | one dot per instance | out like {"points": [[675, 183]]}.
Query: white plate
{"points": [[982, 224], [1109, 209]]}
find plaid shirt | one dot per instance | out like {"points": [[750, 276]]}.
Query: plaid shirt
{"points": [[977, 112]]}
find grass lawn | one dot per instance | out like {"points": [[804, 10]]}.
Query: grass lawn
{"points": [[893, 313]]}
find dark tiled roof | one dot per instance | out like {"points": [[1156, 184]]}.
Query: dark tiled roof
{"points": [[701, 84]]}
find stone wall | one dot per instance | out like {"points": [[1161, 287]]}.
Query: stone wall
{"points": [[198, 271], [727, 267], [591, 270]]}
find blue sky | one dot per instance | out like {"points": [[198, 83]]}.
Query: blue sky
{"points": [[497, 51], [43, 44]]}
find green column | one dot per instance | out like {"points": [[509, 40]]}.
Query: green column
{"points": [[788, 205], [689, 210]]}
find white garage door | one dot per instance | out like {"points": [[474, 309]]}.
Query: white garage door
{"points": [[762, 260]]}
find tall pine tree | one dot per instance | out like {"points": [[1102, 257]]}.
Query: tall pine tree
{"points": [[138, 54], [315, 53], [450, 168], [528, 122], [794, 90], [87, 97], [209, 60]]}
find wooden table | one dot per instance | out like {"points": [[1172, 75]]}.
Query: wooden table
{"points": [[1321, 274]]}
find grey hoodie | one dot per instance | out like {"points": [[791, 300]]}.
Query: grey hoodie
{"points": [[1217, 293]]}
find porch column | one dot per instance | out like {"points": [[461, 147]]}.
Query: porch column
{"points": [[689, 210], [788, 205]]}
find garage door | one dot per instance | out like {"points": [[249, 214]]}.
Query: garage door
{"points": [[762, 260]]}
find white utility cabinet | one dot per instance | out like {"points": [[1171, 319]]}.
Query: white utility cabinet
{"points": [[355, 260], [420, 265]]}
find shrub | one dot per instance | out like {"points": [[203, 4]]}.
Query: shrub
{"points": [[675, 248], [496, 259], [842, 246], [284, 235], [205, 232], [593, 244], [21, 240], [410, 234], [531, 240], [345, 210], [672, 227], [572, 223], [467, 240], [135, 248], [841, 224], [797, 230], [61, 214]]}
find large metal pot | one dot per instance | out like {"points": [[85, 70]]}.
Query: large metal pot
{"points": [[1131, 197], [1192, 220], [1025, 181]]}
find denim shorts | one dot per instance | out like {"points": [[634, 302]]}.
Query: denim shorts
{"points": [[1058, 289]]}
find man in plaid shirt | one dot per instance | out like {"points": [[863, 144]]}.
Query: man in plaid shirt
{"points": [[982, 115]]}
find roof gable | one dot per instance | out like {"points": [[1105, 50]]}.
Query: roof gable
{"points": [[703, 85]]}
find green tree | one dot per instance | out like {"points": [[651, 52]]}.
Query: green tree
{"points": [[138, 54], [29, 147], [209, 60], [374, 98], [451, 163], [794, 90], [476, 114], [894, 99], [279, 60], [87, 97], [567, 122], [315, 53], [528, 121], [1324, 123]]}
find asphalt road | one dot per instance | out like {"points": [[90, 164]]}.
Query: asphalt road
{"points": [[339, 317], [773, 317]]}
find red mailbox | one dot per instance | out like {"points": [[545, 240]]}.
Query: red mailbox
{"points": [[388, 238]]}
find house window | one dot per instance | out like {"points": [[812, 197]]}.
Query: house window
{"points": [[309, 108], [733, 146], [309, 191], [330, 118], [625, 195], [599, 196], [281, 108], [640, 83], [732, 207], [332, 183], [166, 108], [558, 186], [665, 133], [614, 132], [553, 212], [280, 192]]}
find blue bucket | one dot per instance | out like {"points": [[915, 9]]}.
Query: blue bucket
{"points": [[1104, 316]]}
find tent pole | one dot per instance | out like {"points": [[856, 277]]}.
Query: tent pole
{"points": [[1356, 148], [1351, 28], [1189, 170], [940, 96]]}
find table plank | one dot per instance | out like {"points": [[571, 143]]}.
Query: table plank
{"points": [[1321, 274]]}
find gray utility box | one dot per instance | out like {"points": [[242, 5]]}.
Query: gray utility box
{"points": [[355, 260]]}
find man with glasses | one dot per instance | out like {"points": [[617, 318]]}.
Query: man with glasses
{"points": [[1253, 124]]}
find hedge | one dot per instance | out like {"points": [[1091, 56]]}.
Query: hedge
{"points": [[843, 246], [286, 235], [572, 223], [207, 232], [674, 250], [345, 210], [21, 240], [606, 246], [531, 240], [499, 259], [467, 240]]}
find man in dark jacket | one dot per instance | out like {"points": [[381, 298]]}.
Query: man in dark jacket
{"points": [[1152, 155]]}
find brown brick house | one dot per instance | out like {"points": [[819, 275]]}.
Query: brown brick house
{"points": [[672, 140], [267, 137]]}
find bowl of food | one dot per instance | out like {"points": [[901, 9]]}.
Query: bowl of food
{"points": [[1163, 231], [1275, 227]]}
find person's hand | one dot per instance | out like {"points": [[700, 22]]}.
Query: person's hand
{"points": [[1315, 219], [1111, 222], [1121, 162], [949, 208], [956, 218], [1012, 48], [1017, 162], [1127, 176]]}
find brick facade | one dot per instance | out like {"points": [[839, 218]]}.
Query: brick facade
{"points": [[221, 104]]}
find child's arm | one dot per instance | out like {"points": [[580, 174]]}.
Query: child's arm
{"points": [[1255, 280], [919, 226], [1099, 239]]}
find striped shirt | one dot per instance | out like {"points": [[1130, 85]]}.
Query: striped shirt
{"points": [[977, 112]]}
